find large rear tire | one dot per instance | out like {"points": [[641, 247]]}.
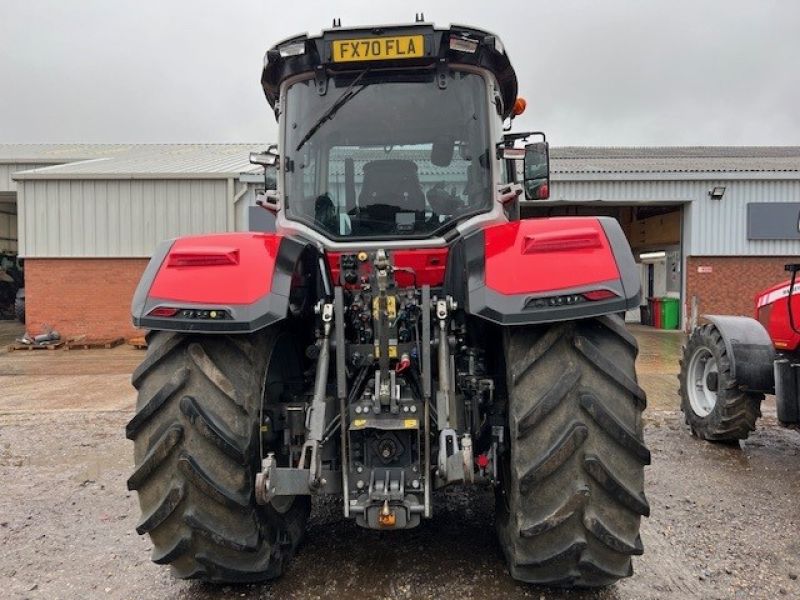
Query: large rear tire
{"points": [[196, 444], [712, 403], [572, 496]]}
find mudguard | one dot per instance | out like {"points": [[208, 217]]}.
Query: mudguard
{"points": [[234, 282], [772, 311], [750, 351], [545, 270]]}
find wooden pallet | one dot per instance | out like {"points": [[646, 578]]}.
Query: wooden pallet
{"points": [[51, 346], [138, 342], [87, 344]]}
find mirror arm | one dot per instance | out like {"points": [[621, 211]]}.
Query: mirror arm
{"points": [[269, 200], [509, 192], [268, 158]]}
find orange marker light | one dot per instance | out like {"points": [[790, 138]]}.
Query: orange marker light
{"points": [[387, 520], [520, 104]]}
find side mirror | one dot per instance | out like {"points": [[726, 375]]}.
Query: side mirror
{"points": [[537, 171], [268, 158]]}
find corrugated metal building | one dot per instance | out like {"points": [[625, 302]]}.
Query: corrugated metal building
{"points": [[21, 157], [715, 224], [87, 225], [124, 205]]}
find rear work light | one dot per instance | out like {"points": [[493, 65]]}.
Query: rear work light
{"points": [[553, 301], [463, 44], [292, 49], [570, 299], [213, 314]]}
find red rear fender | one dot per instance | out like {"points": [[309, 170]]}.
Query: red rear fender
{"points": [[772, 311], [542, 270], [224, 282]]}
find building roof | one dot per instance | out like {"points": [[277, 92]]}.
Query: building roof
{"points": [[676, 159], [149, 161], [192, 160], [57, 153]]}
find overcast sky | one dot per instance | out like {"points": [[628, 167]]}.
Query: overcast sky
{"points": [[622, 72]]}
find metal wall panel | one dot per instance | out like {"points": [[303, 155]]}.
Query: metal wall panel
{"points": [[719, 227], [116, 218], [127, 218], [624, 191], [710, 227], [7, 169]]}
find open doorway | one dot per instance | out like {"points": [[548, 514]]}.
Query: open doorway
{"points": [[11, 273], [655, 234]]}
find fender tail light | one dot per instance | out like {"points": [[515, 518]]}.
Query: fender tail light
{"points": [[163, 311], [595, 295]]}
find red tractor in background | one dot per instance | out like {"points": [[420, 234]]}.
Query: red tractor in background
{"points": [[730, 362], [400, 331]]}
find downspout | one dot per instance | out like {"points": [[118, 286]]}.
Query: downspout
{"points": [[688, 307], [233, 198], [22, 249]]}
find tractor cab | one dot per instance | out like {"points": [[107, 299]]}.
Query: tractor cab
{"points": [[392, 133]]}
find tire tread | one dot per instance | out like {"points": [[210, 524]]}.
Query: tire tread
{"points": [[195, 437], [736, 411], [577, 454]]}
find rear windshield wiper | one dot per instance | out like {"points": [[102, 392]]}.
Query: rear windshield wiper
{"points": [[346, 96]]}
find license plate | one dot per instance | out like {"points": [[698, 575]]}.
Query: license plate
{"points": [[383, 48]]}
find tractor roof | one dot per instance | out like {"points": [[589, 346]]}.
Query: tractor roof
{"points": [[389, 47]]}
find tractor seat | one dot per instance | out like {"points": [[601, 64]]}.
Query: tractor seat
{"points": [[393, 183]]}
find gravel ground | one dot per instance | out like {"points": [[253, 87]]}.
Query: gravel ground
{"points": [[724, 518]]}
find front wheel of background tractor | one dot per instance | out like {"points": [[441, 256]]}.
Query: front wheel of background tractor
{"points": [[19, 309], [196, 446], [714, 406], [572, 493]]}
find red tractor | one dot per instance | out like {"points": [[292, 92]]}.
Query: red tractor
{"points": [[730, 362], [399, 331]]}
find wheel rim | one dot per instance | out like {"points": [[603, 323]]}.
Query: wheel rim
{"points": [[701, 382]]}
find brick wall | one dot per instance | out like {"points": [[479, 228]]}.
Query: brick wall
{"points": [[92, 296], [82, 296], [734, 281]]}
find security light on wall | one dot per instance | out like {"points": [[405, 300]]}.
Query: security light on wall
{"points": [[717, 192]]}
